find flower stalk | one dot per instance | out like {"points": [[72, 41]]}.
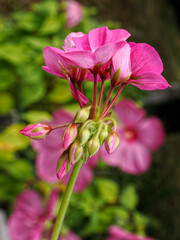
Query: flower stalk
{"points": [[66, 200]]}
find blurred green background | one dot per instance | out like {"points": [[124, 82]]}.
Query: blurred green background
{"points": [[147, 203]]}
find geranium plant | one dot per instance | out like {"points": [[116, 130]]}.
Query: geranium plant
{"points": [[99, 56]]}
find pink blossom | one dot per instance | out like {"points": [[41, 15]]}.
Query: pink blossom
{"points": [[146, 67], [100, 44], [28, 219], [139, 136], [74, 13], [50, 149], [117, 233]]}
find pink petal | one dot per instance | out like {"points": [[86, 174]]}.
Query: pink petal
{"points": [[119, 35], [121, 60], [151, 132], [150, 81], [128, 113], [84, 178], [46, 163], [105, 53], [134, 157], [74, 13], [84, 99], [68, 41], [82, 42], [52, 203], [98, 37], [81, 58], [72, 236], [29, 202], [51, 58], [144, 58]]}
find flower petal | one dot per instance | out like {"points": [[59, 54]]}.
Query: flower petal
{"points": [[51, 58], [119, 35], [151, 133], [69, 42], [144, 58], [84, 100], [105, 53], [128, 113], [134, 157], [121, 60], [150, 81]]}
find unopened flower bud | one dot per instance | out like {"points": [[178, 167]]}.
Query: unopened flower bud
{"points": [[69, 135], [36, 131], [62, 165], [115, 80], [94, 146], [84, 136], [112, 142], [75, 152], [102, 136], [82, 115], [85, 153]]}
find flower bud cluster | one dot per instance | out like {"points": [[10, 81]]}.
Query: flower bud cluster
{"points": [[83, 138]]}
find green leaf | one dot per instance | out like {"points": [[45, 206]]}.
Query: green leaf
{"points": [[129, 197], [7, 79], [13, 53], [6, 102], [11, 139], [32, 93], [60, 93], [108, 189], [37, 116], [46, 7], [27, 21], [51, 25]]}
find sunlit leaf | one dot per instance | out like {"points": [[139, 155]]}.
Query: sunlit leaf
{"points": [[37, 116], [6, 102], [108, 189], [129, 197]]}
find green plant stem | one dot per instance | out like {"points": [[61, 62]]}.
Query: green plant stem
{"points": [[65, 201]]}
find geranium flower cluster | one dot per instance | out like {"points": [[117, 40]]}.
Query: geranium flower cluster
{"points": [[100, 55]]}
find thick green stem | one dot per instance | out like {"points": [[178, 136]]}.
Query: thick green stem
{"points": [[66, 199]]}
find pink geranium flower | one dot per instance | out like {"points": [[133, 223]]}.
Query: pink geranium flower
{"points": [[140, 65], [117, 233], [28, 219], [74, 13], [139, 136], [50, 149]]}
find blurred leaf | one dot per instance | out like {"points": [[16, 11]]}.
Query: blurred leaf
{"points": [[27, 21], [37, 116], [60, 93], [31, 74], [108, 189], [11, 137], [46, 7], [20, 169], [6, 102], [7, 79], [51, 25], [15, 54], [129, 197], [32, 93], [37, 42]]}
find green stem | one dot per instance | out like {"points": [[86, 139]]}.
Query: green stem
{"points": [[66, 199]]}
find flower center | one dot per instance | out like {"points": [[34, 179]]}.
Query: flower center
{"points": [[129, 134]]}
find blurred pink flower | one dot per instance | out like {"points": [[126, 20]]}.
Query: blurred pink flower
{"points": [[74, 13], [139, 135], [50, 149], [28, 219], [117, 233]]}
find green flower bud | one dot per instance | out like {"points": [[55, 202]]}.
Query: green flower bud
{"points": [[82, 115], [102, 136], [112, 142], [93, 146], [84, 136], [75, 152]]}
